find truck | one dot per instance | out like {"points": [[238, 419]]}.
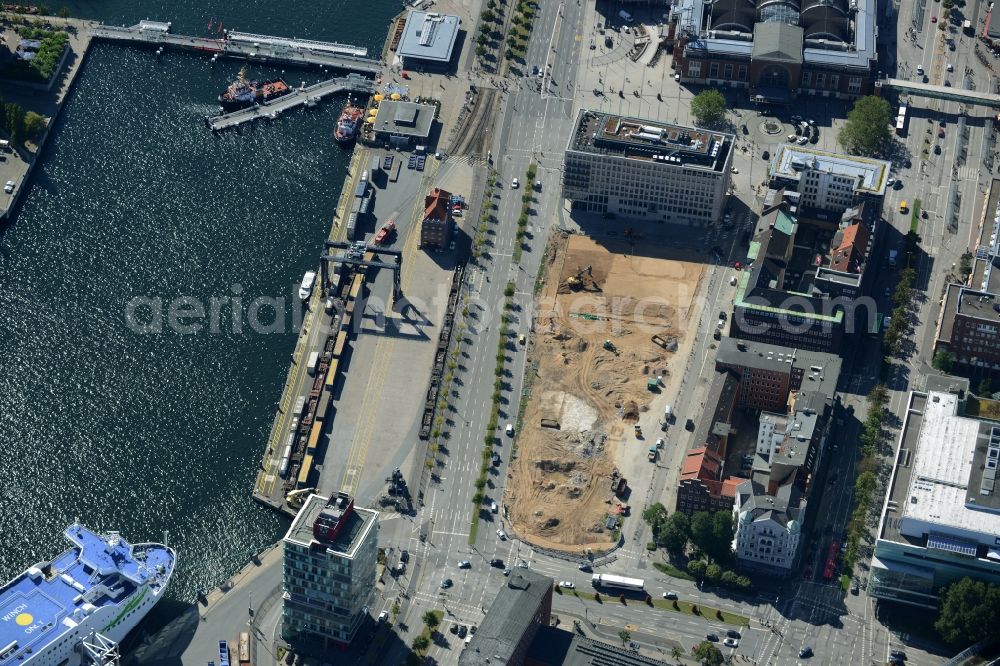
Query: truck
{"points": [[244, 652], [967, 27], [668, 413], [312, 363], [223, 653], [651, 454], [385, 232], [617, 582], [893, 254]]}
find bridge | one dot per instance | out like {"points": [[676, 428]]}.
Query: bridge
{"points": [[308, 96], [246, 46], [946, 93]]}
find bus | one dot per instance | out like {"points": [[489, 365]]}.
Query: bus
{"points": [[831, 560], [619, 582], [901, 120]]}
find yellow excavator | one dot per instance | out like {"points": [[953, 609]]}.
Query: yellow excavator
{"points": [[297, 498]]}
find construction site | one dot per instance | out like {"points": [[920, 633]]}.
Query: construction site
{"points": [[607, 330]]}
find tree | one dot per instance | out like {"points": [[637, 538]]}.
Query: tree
{"points": [[654, 515], [943, 360], [969, 613], [697, 568], [708, 655], [866, 131], [729, 578], [34, 124], [431, 619], [743, 582], [420, 643], [713, 572], [878, 397], [480, 50], [702, 530], [722, 535], [625, 636], [488, 16], [985, 387], [709, 106], [676, 652], [965, 265], [675, 534], [13, 122]]}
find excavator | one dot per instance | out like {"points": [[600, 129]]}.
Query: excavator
{"points": [[297, 498], [575, 282]]}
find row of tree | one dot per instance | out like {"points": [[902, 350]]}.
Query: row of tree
{"points": [[865, 482], [710, 533], [970, 612]]}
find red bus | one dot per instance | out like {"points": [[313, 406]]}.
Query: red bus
{"points": [[831, 560]]}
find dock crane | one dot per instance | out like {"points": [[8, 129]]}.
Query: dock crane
{"points": [[354, 255]]}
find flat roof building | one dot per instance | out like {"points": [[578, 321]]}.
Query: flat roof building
{"points": [[428, 40], [522, 606], [646, 169], [399, 124], [969, 323], [779, 49], [330, 554], [557, 647], [941, 517], [769, 373], [828, 181]]}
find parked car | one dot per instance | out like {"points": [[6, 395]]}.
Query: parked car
{"points": [[733, 633], [689, 425], [805, 652], [9, 187], [568, 584], [462, 631], [383, 616], [446, 583], [509, 430], [514, 184], [712, 637], [731, 642], [465, 564], [502, 535], [497, 563], [585, 568], [670, 595]]}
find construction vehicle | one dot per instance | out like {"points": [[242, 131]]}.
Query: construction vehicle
{"points": [[575, 282], [618, 483], [610, 346], [297, 498], [384, 233], [651, 454], [638, 430], [652, 385]]}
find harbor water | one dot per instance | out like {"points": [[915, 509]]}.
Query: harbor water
{"points": [[156, 423]]}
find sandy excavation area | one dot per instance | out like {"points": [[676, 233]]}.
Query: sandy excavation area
{"points": [[589, 396]]}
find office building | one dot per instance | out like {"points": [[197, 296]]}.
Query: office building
{"points": [[330, 554], [825, 181], [428, 40], [777, 50], [941, 518], [969, 323], [522, 606], [644, 169], [769, 374]]}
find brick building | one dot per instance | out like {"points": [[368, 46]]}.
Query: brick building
{"points": [[777, 49], [435, 228]]}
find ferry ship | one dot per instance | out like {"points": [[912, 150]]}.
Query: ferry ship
{"points": [[75, 609], [349, 122], [242, 93]]}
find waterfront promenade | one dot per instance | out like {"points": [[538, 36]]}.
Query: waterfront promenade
{"points": [[266, 48]]}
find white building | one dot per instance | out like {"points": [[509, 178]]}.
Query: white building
{"points": [[770, 433], [766, 534], [329, 573], [616, 165], [828, 181]]}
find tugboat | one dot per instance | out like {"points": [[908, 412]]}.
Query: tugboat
{"points": [[349, 122], [242, 93]]}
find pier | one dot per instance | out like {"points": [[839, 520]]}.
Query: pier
{"points": [[307, 96], [245, 46]]}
